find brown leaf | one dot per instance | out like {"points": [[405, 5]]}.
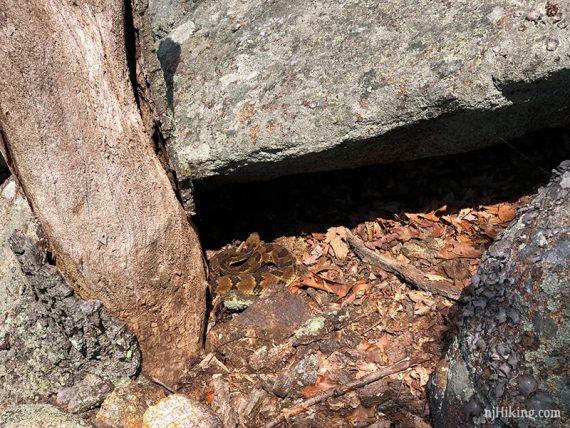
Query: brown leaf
{"points": [[507, 212], [359, 289], [362, 415], [312, 257], [455, 249], [336, 237], [383, 240], [323, 383], [314, 281], [405, 233]]}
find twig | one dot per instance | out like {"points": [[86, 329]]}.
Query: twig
{"points": [[407, 273], [159, 383], [398, 367]]}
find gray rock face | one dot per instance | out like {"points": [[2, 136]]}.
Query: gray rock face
{"points": [[512, 348], [39, 416], [258, 89], [50, 340]]}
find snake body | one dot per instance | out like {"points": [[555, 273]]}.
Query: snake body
{"points": [[251, 268]]}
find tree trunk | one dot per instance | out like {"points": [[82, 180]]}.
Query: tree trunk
{"points": [[74, 137]]}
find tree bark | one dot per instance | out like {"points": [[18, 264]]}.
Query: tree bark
{"points": [[74, 137]]}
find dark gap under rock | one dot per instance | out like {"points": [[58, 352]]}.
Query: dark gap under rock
{"points": [[309, 203], [4, 171]]}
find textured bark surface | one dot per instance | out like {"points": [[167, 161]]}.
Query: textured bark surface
{"points": [[74, 137], [51, 342]]}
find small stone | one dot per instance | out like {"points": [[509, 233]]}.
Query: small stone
{"points": [[84, 395], [126, 405], [302, 374], [540, 401], [552, 44], [472, 408], [527, 384], [179, 411], [534, 15]]}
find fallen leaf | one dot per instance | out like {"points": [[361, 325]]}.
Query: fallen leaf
{"points": [[434, 277], [209, 395], [455, 249], [359, 289], [507, 212], [336, 237], [314, 281], [362, 415], [323, 383], [312, 257]]}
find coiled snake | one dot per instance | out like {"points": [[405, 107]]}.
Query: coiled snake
{"points": [[246, 272]]}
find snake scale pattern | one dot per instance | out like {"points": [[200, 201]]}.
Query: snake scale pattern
{"points": [[251, 268]]}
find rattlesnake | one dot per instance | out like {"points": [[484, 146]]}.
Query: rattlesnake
{"points": [[250, 269]]}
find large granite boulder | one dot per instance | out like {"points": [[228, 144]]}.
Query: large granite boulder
{"points": [[508, 366], [257, 89], [53, 345]]}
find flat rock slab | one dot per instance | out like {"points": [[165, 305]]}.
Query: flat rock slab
{"points": [[257, 89], [269, 321]]}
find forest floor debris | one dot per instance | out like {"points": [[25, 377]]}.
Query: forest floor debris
{"points": [[388, 251]]}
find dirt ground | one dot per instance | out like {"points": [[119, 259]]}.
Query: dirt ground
{"points": [[350, 344]]}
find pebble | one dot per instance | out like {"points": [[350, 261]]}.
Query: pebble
{"points": [[552, 44], [178, 411], [527, 384]]}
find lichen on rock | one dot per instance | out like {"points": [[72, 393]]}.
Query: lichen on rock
{"points": [[51, 341]]}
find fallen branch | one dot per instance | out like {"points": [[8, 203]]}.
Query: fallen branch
{"points": [[398, 367], [407, 273]]}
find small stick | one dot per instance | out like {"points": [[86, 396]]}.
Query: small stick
{"points": [[407, 273], [398, 367]]}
